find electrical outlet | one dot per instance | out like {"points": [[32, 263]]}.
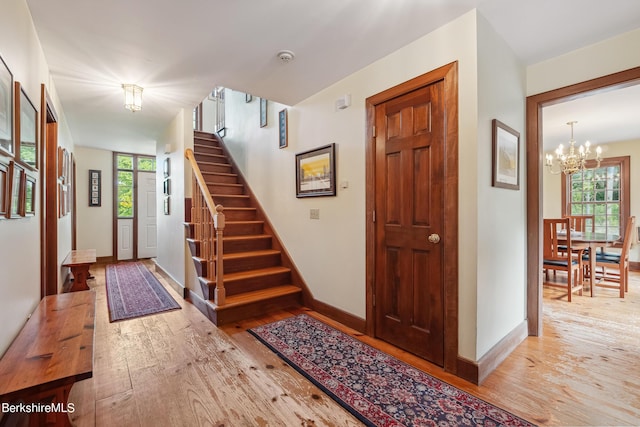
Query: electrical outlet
{"points": [[314, 213]]}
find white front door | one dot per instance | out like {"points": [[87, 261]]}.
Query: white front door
{"points": [[146, 213]]}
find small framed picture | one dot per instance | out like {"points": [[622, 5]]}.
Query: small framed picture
{"points": [[26, 128], [505, 170], [4, 189], [94, 187], [167, 167], [167, 205], [282, 124], [29, 203], [16, 209], [316, 172], [263, 112]]}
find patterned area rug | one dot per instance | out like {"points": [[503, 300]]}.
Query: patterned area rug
{"points": [[133, 291], [378, 389]]}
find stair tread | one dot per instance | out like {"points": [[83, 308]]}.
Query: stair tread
{"points": [[248, 254], [218, 173], [213, 163], [251, 273], [247, 237], [210, 155], [240, 196], [239, 208], [260, 295], [225, 184]]}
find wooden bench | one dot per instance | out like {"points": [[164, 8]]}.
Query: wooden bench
{"points": [[80, 261], [52, 351]]}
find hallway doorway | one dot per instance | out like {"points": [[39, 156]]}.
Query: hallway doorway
{"points": [[535, 104], [135, 230]]}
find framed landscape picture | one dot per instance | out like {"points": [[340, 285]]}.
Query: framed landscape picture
{"points": [[316, 172], [506, 156]]}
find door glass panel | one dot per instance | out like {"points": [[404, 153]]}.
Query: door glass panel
{"points": [[125, 194], [146, 164]]}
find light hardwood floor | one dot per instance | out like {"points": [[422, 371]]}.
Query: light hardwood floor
{"points": [[177, 369]]}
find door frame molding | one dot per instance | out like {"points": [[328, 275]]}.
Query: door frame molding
{"points": [[534, 154], [49, 269], [449, 74]]}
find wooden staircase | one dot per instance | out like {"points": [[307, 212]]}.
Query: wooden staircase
{"points": [[258, 275]]}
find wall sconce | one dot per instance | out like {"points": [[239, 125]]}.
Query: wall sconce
{"points": [[132, 97]]}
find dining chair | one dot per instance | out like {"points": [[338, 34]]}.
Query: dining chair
{"points": [[619, 262], [582, 222], [557, 260]]}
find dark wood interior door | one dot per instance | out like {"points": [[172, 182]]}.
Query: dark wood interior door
{"points": [[409, 180]]}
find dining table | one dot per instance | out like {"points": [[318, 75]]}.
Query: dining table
{"points": [[592, 240]]}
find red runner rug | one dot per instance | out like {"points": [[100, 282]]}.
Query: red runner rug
{"points": [[133, 291], [378, 389]]}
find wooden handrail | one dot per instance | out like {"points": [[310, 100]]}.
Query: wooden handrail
{"points": [[208, 219], [189, 154]]}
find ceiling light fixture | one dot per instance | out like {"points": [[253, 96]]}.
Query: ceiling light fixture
{"points": [[132, 97], [286, 56], [573, 161]]}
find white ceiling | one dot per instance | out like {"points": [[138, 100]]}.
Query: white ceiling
{"points": [[179, 50]]}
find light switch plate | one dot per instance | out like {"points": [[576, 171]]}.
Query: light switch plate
{"points": [[314, 213]]}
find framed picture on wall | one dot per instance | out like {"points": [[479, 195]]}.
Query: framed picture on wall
{"points": [[28, 122], [263, 112], [15, 192], [316, 172], [506, 156], [167, 167], [282, 125], [29, 202], [4, 190], [167, 205], [95, 187], [6, 109]]}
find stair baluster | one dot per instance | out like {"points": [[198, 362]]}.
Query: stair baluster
{"points": [[209, 222], [218, 223]]}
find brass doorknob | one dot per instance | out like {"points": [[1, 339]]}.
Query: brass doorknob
{"points": [[434, 238]]}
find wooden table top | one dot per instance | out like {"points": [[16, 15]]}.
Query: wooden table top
{"points": [[55, 347], [79, 257], [590, 237]]}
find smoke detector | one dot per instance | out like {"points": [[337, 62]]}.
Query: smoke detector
{"points": [[286, 56]]}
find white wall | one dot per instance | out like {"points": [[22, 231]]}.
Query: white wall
{"points": [[20, 238], [172, 248], [501, 242], [95, 230], [330, 252], [600, 59]]}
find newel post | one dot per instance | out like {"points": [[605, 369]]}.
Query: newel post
{"points": [[218, 223]]}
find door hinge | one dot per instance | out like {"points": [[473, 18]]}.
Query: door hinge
{"points": [[373, 217], [374, 300], [374, 131]]}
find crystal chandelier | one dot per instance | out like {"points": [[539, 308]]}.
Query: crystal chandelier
{"points": [[575, 160]]}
